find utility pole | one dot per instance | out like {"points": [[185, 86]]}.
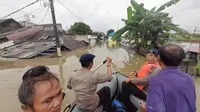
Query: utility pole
{"points": [[198, 55], [55, 28], [195, 30]]}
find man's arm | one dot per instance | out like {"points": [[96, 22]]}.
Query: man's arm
{"points": [[145, 81], [101, 78], [155, 99]]}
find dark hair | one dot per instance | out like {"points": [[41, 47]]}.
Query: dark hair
{"points": [[86, 63], [171, 54], [157, 47], [30, 78]]}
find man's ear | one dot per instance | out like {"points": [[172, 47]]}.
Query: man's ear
{"points": [[159, 57], [26, 108], [91, 64]]}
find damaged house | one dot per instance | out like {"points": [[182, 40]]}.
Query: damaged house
{"points": [[35, 41], [7, 25]]}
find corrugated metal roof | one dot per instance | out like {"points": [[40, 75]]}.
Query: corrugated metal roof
{"points": [[192, 49], [7, 25], [72, 44], [26, 49], [4, 20], [23, 34]]}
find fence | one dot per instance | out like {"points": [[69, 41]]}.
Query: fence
{"points": [[188, 66]]}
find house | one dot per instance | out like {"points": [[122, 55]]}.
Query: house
{"points": [[7, 25], [27, 24], [192, 52], [50, 27], [27, 40], [22, 36]]}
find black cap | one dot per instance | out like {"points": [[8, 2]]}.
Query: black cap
{"points": [[153, 51], [87, 57]]}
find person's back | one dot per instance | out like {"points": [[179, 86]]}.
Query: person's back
{"points": [[179, 90], [84, 84], [170, 90]]}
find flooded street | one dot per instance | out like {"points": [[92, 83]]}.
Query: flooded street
{"points": [[11, 71]]}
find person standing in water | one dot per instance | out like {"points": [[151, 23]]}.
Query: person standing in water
{"points": [[84, 83]]}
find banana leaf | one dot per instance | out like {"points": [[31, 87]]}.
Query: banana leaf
{"points": [[168, 4]]}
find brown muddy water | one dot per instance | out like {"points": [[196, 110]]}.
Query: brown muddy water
{"points": [[11, 71]]}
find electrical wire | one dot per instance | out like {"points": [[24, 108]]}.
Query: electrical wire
{"points": [[50, 17], [69, 10], [31, 13], [39, 11], [44, 16], [19, 10], [9, 6]]}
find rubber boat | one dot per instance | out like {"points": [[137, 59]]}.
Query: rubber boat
{"points": [[116, 88]]}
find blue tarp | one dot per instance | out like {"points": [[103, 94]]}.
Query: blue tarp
{"points": [[111, 34]]}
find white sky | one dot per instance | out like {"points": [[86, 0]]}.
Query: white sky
{"points": [[102, 15]]}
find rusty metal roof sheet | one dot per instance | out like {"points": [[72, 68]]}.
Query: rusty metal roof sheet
{"points": [[23, 34]]}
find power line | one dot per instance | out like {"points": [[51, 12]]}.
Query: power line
{"points": [[39, 11], [31, 13], [50, 17], [69, 10], [19, 9], [44, 16], [9, 6], [35, 10]]}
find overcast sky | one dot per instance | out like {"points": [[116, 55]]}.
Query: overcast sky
{"points": [[101, 15]]}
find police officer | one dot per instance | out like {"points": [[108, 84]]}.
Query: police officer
{"points": [[84, 83]]}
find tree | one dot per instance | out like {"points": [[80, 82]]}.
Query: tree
{"points": [[80, 28], [148, 25]]}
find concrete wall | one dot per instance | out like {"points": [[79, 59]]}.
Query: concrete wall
{"points": [[50, 27], [82, 38], [27, 24]]}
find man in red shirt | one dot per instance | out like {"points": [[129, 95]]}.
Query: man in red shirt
{"points": [[136, 85]]}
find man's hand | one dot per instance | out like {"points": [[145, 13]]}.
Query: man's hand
{"points": [[143, 107], [128, 80], [133, 73], [69, 86], [108, 60]]}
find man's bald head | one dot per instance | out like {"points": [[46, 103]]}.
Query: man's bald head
{"points": [[171, 54]]}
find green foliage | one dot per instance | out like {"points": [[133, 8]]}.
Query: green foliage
{"points": [[168, 4], [197, 70], [129, 13], [80, 28], [177, 37], [148, 25], [196, 36]]}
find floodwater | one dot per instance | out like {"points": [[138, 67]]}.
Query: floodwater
{"points": [[11, 71]]}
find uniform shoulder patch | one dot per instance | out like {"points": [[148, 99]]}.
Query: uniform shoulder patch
{"points": [[152, 69]]}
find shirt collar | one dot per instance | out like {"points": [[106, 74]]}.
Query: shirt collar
{"points": [[170, 69], [84, 69]]}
